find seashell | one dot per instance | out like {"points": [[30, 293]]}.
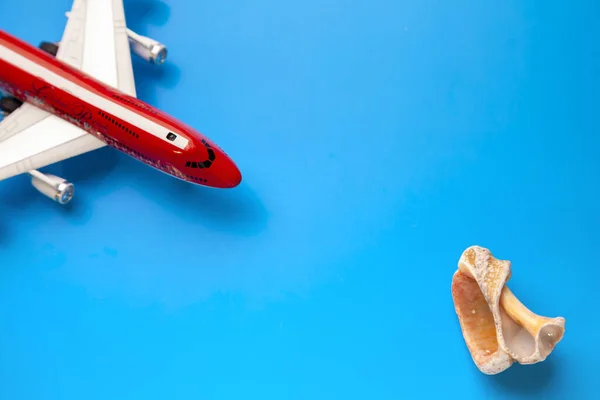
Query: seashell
{"points": [[498, 329]]}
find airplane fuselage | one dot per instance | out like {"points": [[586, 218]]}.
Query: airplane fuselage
{"points": [[119, 120]]}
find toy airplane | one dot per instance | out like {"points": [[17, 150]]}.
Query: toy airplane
{"points": [[79, 95]]}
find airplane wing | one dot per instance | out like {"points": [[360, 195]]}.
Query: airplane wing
{"points": [[95, 41], [32, 143]]}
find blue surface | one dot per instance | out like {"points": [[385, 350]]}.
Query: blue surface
{"points": [[377, 140]]}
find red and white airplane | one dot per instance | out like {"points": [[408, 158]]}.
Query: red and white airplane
{"points": [[78, 95]]}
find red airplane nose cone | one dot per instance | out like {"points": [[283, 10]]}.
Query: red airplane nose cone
{"points": [[230, 175], [235, 177]]}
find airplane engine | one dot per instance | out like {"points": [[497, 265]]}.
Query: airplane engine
{"points": [[49, 47], [9, 104], [52, 186], [146, 48]]}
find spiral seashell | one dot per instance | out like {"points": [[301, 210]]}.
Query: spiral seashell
{"points": [[498, 329]]}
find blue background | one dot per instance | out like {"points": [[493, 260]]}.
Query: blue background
{"points": [[377, 140]]}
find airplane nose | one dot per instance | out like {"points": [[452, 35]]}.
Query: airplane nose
{"points": [[229, 174]]}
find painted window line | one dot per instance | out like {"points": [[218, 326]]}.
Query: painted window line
{"points": [[117, 123]]}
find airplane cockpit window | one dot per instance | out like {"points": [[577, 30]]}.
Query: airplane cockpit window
{"points": [[171, 136]]}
